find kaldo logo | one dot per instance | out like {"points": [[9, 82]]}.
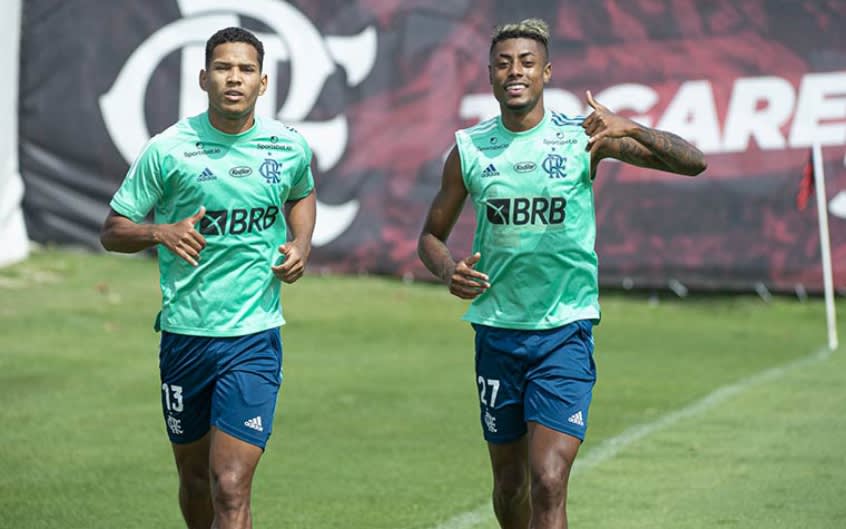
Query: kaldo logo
{"points": [[312, 59]]}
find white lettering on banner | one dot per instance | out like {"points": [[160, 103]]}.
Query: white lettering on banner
{"points": [[479, 107], [692, 114], [746, 118], [818, 102], [759, 109], [630, 96], [818, 114], [312, 59], [837, 206]]}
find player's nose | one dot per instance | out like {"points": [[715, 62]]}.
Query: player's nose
{"points": [[234, 77], [516, 70]]}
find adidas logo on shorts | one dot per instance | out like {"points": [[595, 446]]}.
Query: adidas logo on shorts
{"points": [[577, 419], [254, 423]]}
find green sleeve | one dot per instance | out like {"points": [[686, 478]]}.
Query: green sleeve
{"points": [[143, 186], [304, 181]]}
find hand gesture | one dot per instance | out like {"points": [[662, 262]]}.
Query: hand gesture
{"points": [[182, 239], [293, 266], [602, 123], [466, 282]]}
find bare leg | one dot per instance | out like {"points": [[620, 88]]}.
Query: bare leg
{"points": [[510, 464], [192, 464], [551, 456], [233, 463]]}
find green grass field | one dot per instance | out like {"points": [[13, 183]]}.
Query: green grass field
{"points": [[377, 423]]}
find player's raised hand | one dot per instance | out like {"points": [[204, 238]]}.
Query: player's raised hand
{"points": [[293, 266], [602, 123], [465, 281], [182, 239]]}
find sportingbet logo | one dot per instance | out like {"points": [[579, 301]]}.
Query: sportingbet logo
{"points": [[523, 210], [313, 60], [238, 221]]}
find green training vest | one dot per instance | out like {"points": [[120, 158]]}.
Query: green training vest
{"points": [[535, 222]]}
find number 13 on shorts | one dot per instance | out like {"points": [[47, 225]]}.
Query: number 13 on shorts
{"points": [[172, 397], [490, 387]]}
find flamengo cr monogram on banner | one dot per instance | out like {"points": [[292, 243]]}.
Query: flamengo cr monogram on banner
{"points": [[312, 58]]}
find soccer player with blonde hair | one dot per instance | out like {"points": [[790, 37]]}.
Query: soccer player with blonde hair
{"points": [[532, 274]]}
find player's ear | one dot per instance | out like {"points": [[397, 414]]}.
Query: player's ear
{"points": [[490, 75], [204, 78], [547, 73], [263, 84]]}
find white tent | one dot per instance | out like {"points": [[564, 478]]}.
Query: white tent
{"points": [[14, 245]]}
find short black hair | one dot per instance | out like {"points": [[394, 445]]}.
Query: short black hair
{"points": [[234, 34], [530, 28]]}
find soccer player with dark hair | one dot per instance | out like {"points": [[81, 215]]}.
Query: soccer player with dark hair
{"points": [[532, 276], [225, 186]]}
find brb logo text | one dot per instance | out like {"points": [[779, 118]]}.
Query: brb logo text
{"points": [[524, 210], [313, 58], [238, 221]]}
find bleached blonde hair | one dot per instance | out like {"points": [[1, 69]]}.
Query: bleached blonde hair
{"points": [[530, 28]]}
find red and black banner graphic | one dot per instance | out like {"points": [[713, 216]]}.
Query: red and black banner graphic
{"points": [[378, 87]]}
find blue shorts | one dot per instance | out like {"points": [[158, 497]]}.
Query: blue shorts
{"points": [[544, 376], [230, 383]]}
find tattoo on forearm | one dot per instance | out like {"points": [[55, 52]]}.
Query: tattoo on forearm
{"points": [[631, 151], [672, 149], [658, 149]]}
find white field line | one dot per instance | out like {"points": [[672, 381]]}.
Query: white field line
{"points": [[609, 448]]}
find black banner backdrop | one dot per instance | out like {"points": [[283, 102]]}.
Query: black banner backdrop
{"points": [[379, 86]]}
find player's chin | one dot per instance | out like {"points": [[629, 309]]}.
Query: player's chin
{"points": [[235, 109], [518, 103]]}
